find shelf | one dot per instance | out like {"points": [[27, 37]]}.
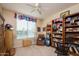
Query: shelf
{"points": [[58, 22], [75, 37], [75, 54], [49, 25], [72, 32], [58, 37], [57, 33], [67, 21], [72, 26], [58, 42], [72, 15], [74, 21], [48, 28]]}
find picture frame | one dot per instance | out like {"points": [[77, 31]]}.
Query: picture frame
{"points": [[64, 14], [43, 28], [38, 29]]}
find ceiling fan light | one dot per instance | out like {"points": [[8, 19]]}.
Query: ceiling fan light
{"points": [[36, 4]]}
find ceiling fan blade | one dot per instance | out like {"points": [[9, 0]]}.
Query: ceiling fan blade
{"points": [[30, 5], [33, 10], [39, 11]]}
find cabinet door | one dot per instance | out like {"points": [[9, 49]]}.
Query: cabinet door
{"points": [[1, 43], [1, 34], [8, 39]]}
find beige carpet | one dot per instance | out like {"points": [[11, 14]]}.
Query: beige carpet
{"points": [[35, 50]]}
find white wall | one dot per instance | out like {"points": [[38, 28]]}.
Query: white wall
{"points": [[0, 9], [72, 9]]}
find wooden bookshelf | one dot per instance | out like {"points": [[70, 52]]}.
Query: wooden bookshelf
{"points": [[58, 22], [48, 31], [48, 27], [56, 34], [72, 17], [74, 21], [58, 37], [65, 25], [72, 26], [62, 35], [72, 32]]}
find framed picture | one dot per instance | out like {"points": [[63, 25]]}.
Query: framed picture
{"points": [[38, 29], [64, 14], [43, 28]]}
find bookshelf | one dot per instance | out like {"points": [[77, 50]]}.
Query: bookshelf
{"points": [[68, 26], [56, 32], [48, 32], [48, 27], [71, 27]]}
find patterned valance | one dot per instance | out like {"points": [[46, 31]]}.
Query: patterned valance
{"points": [[24, 17]]}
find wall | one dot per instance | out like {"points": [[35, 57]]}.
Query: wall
{"points": [[73, 9], [0, 9], [9, 18]]}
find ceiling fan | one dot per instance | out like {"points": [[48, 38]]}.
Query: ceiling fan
{"points": [[35, 7]]}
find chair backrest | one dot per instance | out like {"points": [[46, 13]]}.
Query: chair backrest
{"points": [[69, 40], [63, 49]]}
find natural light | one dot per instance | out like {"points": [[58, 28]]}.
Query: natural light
{"points": [[25, 29]]}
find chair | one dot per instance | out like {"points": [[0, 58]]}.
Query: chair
{"points": [[63, 50], [40, 39]]}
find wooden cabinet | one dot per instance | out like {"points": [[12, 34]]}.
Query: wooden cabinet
{"points": [[8, 38], [40, 39], [27, 43], [1, 32], [1, 37]]}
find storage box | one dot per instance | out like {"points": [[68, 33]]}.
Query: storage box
{"points": [[27, 43]]}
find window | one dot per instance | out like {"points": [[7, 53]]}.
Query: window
{"points": [[25, 28]]}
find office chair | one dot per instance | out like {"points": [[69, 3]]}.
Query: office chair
{"points": [[63, 50]]}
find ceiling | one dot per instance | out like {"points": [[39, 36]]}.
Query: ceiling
{"points": [[47, 9]]}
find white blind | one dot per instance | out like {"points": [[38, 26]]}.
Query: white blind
{"points": [[25, 28]]}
